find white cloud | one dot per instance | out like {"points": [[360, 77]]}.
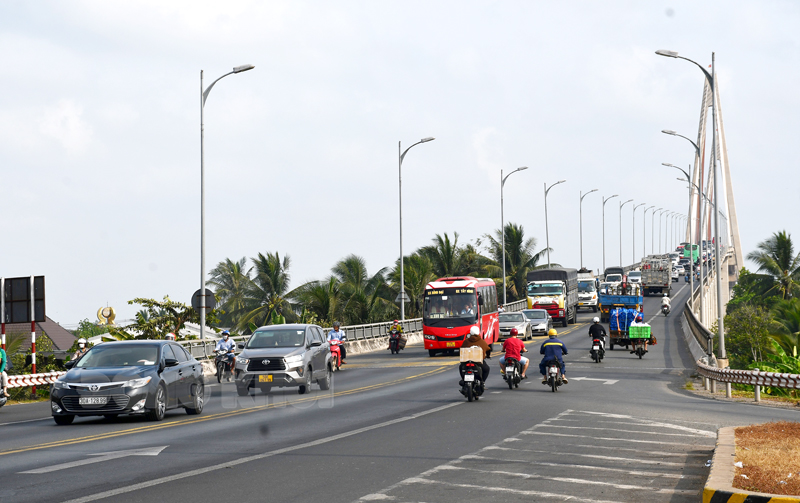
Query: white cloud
{"points": [[64, 123]]}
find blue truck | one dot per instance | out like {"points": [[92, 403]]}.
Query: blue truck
{"points": [[609, 301]]}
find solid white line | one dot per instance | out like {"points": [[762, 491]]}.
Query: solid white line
{"points": [[602, 438], [230, 464], [623, 430], [659, 308], [570, 480]]}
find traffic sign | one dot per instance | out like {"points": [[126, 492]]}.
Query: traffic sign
{"points": [[402, 295], [211, 301], [16, 299]]}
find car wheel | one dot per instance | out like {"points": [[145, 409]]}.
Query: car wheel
{"points": [[198, 399], [305, 388], [157, 413], [431, 352], [63, 420], [325, 383]]}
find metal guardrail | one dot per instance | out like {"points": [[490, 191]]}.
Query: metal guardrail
{"points": [[752, 377]]}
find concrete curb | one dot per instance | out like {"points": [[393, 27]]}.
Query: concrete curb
{"points": [[719, 486]]}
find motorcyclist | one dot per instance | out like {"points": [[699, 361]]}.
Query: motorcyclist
{"points": [[552, 349], [3, 375], [336, 333], [396, 325], [82, 349], [665, 301], [514, 348], [170, 336], [475, 339], [227, 345], [598, 331]]}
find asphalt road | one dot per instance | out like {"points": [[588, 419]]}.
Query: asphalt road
{"points": [[395, 428]]}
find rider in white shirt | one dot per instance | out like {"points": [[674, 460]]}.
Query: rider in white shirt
{"points": [[665, 301]]}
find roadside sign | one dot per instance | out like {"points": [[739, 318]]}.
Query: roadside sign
{"points": [[16, 299], [402, 295], [211, 301]]}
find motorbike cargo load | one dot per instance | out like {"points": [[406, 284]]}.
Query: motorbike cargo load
{"points": [[471, 354], [639, 331]]}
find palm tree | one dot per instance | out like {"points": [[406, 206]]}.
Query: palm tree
{"points": [[520, 258], [364, 297], [417, 272], [232, 282], [786, 314], [323, 298], [268, 293], [445, 256], [775, 257]]}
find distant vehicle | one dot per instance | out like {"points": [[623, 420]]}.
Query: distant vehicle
{"points": [[539, 320], [587, 294], [446, 319], [613, 270], [556, 290], [129, 377], [675, 274], [614, 278], [674, 256], [635, 277], [514, 320], [605, 287], [656, 274], [694, 251], [284, 356]]}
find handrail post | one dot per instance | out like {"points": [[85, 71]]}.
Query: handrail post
{"points": [[757, 389]]}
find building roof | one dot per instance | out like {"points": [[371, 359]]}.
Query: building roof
{"points": [[61, 337]]}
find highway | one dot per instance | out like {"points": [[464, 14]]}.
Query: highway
{"points": [[395, 428]]}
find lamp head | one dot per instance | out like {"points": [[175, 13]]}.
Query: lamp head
{"points": [[430, 138], [243, 68], [668, 131], [669, 54], [522, 168]]}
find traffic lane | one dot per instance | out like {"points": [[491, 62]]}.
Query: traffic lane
{"points": [[21, 413]]}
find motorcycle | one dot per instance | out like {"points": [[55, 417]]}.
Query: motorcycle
{"points": [[472, 380], [597, 350], [665, 309], [3, 399], [554, 375], [513, 374], [638, 348], [394, 341], [222, 362], [336, 354]]}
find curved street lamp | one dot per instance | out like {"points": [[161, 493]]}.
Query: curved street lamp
{"points": [[402, 155], [546, 229], [644, 230], [633, 233], [503, 225], [580, 212], [653, 229], [620, 228], [605, 200], [203, 97]]}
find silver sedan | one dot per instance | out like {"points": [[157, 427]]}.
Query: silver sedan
{"points": [[539, 320], [514, 320]]}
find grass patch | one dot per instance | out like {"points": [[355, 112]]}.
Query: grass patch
{"points": [[770, 455], [689, 385]]}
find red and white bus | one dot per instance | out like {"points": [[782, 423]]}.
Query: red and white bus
{"points": [[452, 306]]}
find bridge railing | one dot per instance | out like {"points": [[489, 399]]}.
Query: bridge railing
{"points": [[753, 377]]}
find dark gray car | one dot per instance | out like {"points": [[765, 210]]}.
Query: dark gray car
{"points": [[279, 356]]}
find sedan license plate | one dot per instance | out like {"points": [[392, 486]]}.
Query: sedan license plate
{"points": [[469, 377], [266, 378], [93, 400], [451, 344], [596, 348], [509, 370]]}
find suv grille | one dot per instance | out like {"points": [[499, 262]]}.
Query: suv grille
{"points": [[115, 403], [274, 364]]}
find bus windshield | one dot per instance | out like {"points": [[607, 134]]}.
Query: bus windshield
{"points": [[449, 305], [541, 289]]}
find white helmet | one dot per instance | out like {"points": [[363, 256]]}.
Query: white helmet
{"points": [[596, 319], [170, 336], [81, 342], [666, 295], [474, 331]]}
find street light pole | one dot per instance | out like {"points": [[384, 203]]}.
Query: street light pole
{"points": [[605, 200], [692, 186], [653, 230], [401, 154], [203, 98], [503, 226], [620, 229], [644, 230], [633, 233], [546, 229], [580, 217]]}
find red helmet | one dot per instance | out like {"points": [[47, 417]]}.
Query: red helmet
{"points": [[514, 332], [396, 322]]}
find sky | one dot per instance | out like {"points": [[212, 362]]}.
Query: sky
{"points": [[100, 131]]}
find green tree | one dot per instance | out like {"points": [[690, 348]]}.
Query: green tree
{"points": [[417, 272], [747, 335], [520, 258], [158, 318], [269, 292], [775, 257], [365, 297], [753, 289], [445, 256], [322, 298], [786, 314], [88, 329], [233, 284]]}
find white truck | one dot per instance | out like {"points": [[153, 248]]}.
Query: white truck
{"points": [[656, 274], [587, 291]]}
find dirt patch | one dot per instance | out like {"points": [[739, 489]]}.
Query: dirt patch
{"points": [[770, 457]]}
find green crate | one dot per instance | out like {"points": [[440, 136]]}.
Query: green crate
{"points": [[639, 332]]}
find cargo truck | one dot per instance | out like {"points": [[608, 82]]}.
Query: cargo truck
{"points": [[587, 291], [657, 274], [555, 290]]}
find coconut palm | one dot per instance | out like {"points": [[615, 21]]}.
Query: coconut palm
{"points": [[775, 257], [520, 258], [322, 298], [417, 272], [268, 293], [786, 314], [445, 256], [364, 298], [232, 283]]}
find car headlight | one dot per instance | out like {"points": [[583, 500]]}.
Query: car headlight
{"points": [[294, 360], [137, 383], [541, 326], [429, 337], [242, 361], [60, 385]]}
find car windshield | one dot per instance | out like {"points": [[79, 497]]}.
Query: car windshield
{"points": [[277, 338], [536, 315], [540, 289], [614, 278], [586, 287], [634, 275], [119, 355], [511, 318]]}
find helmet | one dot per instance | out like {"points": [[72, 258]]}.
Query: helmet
{"points": [[666, 295], [596, 319], [474, 331], [396, 322], [552, 333], [170, 336], [335, 324], [514, 332], [225, 334], [81, 342]]}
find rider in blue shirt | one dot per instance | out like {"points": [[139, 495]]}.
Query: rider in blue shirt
{"points": [[227, 344], [552, 349], [339, 335]]}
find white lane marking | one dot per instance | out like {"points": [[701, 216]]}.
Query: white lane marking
{"points": [[569, 480], [626, 430], [605, 381], [27, 421], [230, 464], [603, 438], [646, 451], [649, 422], [611, 458], [101, 457], [625, 422]]}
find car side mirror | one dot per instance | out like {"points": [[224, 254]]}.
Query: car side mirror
{"points": [[315, 344], [170, 362], [69, 364], [240, 345]]}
